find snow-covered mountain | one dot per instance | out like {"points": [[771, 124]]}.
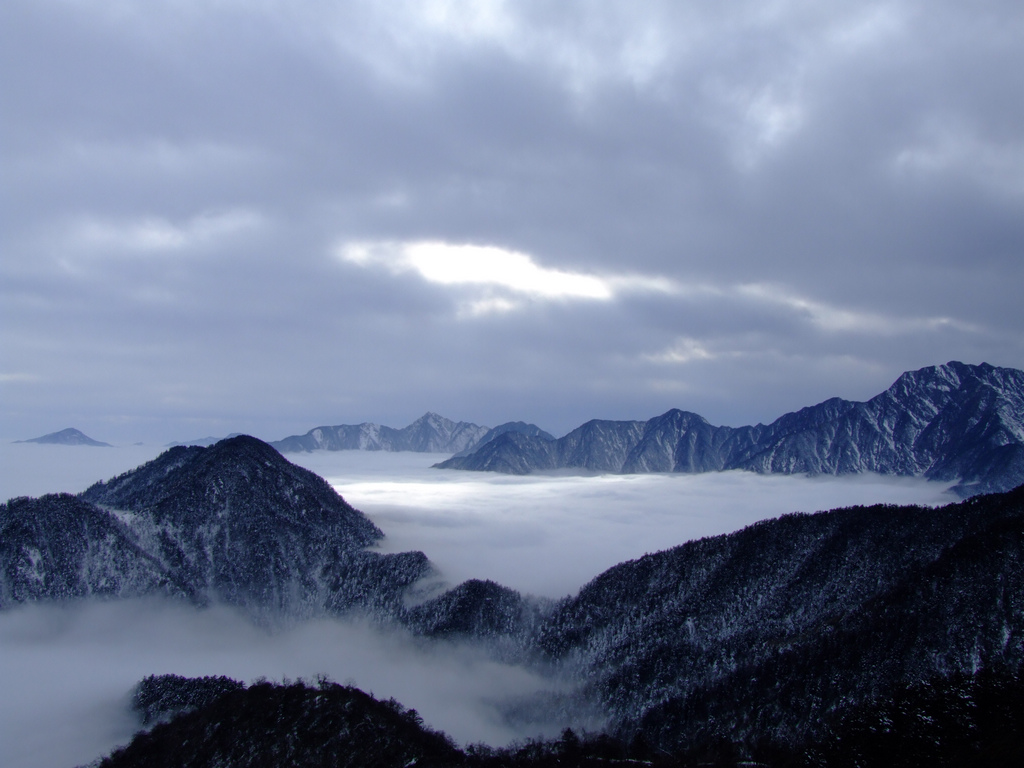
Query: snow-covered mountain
{"points": [[69, 436], [952, 422], [235, 522]]}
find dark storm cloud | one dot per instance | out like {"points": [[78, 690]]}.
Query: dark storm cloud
{"points": [[826, 196]]}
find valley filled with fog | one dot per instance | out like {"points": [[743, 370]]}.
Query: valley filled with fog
{"points": [[68, 671]]}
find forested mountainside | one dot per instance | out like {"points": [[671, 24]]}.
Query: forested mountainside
{"points": [[235, 522], [279, 725], [430, 433], [952, 422], [773, 631], [961, 721]]}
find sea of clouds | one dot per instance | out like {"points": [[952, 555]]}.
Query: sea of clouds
{"points": [[68, 671]]}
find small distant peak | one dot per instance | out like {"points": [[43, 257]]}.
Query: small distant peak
{"points": [[69, 436]]}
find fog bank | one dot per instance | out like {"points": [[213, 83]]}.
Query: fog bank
{"points": [[550, 534], [67, 672]]}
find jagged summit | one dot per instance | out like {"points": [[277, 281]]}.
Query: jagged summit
{"points": [[69, 436], [952, 422]]}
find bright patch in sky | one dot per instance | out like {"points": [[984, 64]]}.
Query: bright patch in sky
{"points": [[512, 275], [487, 265]]}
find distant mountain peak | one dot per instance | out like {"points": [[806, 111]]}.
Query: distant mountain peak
{"points": [[69, 436]]}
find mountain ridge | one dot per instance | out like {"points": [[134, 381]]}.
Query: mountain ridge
{"points": [[431, 433], [952, 423]]}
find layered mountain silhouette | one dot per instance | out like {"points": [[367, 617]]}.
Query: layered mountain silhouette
{"points": [[430, 433], [952, 423], [770, 633], [69, 436], [779, 639], [799, 636]]}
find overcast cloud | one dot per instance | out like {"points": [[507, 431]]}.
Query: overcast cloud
{"points": [[262, 217]]}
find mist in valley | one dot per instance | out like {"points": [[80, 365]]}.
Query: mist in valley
{"points": [[68, 671]]}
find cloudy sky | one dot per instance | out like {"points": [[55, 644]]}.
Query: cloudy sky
{"points": [[266, 216]]}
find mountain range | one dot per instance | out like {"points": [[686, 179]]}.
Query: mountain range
{"points": [[764, 639], [430, 433], [953, 423]]}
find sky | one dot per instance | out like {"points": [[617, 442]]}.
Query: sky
{"points": [[267, 216]]}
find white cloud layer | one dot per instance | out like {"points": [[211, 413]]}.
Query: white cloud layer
{"points": [[68, 672], [570, 528]]}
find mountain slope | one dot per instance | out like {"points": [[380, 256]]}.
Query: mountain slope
{"points": [[59, 547], [770, 635], [953, 422], [961, 721], [771, 631]]}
